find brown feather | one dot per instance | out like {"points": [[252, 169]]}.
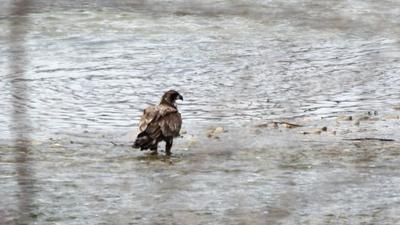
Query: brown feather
{"points": [[171, 124]]}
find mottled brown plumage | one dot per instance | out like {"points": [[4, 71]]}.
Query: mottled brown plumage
{"points": [[160, 123]]}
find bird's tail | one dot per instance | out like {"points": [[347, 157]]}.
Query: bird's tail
{"points": [[143, 141]]}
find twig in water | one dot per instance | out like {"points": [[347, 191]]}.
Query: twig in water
{"points": [[368, 139], [115, 144]]}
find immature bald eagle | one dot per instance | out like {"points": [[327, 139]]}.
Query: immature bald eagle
{"points": [[160, 123]]}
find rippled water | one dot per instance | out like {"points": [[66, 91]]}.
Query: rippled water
{"points": [[76, 75]]}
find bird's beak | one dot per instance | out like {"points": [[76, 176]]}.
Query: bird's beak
{"points": [[180, 97]]}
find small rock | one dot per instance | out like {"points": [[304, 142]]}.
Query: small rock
{"points": [[320, 130], [183, 131], [219, 130], [213, 133], [392, 117], [344, 118], [372, 113], [317, 131], [289, 126], [364, 118], [268, 125], [262, 125], [273, 125], [396, 107]]}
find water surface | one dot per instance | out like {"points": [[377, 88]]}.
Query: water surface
{"points": [[76, 76]]}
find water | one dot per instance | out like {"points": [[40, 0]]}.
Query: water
{"points": [[77, 75]]}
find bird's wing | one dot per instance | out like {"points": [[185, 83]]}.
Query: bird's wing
{"points": [[170, 124], [149, 114]]}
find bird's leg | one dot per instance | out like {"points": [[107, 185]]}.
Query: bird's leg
{"points": [[168, 146], [154, 149]]}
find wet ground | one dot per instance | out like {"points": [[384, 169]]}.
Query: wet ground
{"points": [[76, 76]]}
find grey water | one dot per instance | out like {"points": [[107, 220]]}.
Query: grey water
{"points": [[76, 76]]}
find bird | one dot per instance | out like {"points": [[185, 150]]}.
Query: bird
{"points": [[158, 123]]}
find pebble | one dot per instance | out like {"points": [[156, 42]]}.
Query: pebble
{"points": [[344, 118], [316, 131]]}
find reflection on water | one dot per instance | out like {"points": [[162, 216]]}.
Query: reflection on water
{"points": [[77, 74], [20, 123]]}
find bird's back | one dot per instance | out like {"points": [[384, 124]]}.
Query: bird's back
{"points": [[162, 118]]}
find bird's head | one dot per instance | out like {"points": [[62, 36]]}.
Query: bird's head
{"points": [[170, 97]]}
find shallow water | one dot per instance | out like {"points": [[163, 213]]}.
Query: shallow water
{"points": [[77, 75]]}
